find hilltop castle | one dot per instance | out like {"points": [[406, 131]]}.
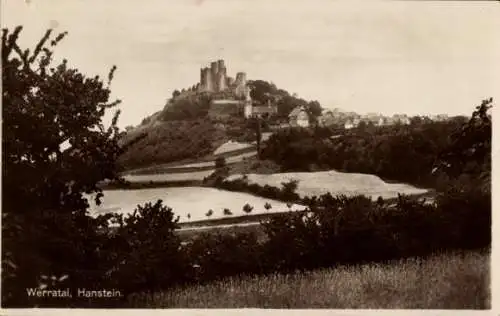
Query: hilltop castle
{"points": [[215, 79], [230, 96]]}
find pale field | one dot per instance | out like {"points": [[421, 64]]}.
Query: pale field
{"points": [[231, 146], [318, 183], [183, 200], [447, 281], [229, 160]]}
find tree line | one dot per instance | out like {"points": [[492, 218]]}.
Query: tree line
{"points": [[405, 153]]}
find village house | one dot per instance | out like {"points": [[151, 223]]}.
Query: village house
{"points": [[261, 111], [381, 121], [439, 117], [352, 121], [401, 119], [348, 124], [327, 119], [299, 117]]}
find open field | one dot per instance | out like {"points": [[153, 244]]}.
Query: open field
{"points": [[195, 201], [245, 163], [318, 183], [459, 280], [203, 162], [231, 146], [229, 160]]}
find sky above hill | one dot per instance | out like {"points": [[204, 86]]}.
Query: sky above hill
{"points": [[413, 57]]}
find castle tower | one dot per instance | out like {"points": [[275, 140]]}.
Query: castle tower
{"points": [[214, 71], [214, 68], [203, 81], [221, 78], [241, 78], [241, 85], [206, 80], [220, 64]]}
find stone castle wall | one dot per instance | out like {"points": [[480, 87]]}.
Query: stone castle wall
{"points": [[215, 79]]}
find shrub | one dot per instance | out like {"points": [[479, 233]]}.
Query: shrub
{"points": [[227, 211], [287, 193], [247, 208], [146, 242], [219, 255], [220, 162], [267, 206]]}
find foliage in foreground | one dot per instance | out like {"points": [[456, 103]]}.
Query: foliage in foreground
{"points": [[55, 148]]}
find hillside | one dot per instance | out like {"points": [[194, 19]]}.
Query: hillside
{"points": [[184, 130]]}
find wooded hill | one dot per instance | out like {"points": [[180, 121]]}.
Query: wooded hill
{"points": [[183, 130]]}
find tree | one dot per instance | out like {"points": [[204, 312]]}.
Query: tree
{"points": [[209, 213], [175, 94], [147, 242], [220, 162], [55, 149], [227, 211], [314, 109], [289, 188], [256, 125], [258, 136], [261, 91], [247, 208], [470, 151], [267, 206]]}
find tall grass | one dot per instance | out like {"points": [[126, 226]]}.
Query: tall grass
{"points": [[459, 280]]}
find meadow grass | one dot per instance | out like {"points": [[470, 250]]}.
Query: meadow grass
{"points": [[459, 280]]}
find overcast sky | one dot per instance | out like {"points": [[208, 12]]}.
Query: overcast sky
{"points": [[418, 57]]}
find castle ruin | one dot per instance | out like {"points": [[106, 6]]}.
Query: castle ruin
{"points": [[215, 79], [231, 96]]}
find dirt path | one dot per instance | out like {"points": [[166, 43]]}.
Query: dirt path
{"points": [[208, 227]]}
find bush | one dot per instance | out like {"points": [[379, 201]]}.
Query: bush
{"points": [[336, 230], [145, 241], [288, 190], [216, 255], [227, 211], [247, 208], [286, 193], [220, 162]]}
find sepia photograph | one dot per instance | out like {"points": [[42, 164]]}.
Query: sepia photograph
{"points": [[218, 154]]}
